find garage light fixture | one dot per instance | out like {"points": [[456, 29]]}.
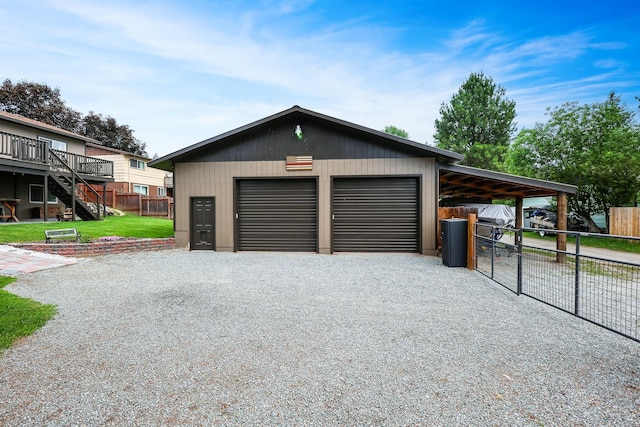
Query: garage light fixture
{"points": [[297, 132]]}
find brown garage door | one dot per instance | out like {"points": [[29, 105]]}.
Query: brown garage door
{"points": [[375, 214], [277, 215]]}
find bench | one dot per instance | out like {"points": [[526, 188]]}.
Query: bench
{"points": [[64, 233]]}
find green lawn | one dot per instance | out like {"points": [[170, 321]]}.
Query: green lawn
{"points": [[123, 226], [623, 245], [20, 317]]}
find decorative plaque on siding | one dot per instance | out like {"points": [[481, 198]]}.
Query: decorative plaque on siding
{"points": [[299, 163]]}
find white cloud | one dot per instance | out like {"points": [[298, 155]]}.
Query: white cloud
{"points": [[178, 77]]}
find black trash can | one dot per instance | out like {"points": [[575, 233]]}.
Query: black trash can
{"points": [[454, 242]]}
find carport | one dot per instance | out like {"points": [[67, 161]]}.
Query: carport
{"points": [[466, 182]]}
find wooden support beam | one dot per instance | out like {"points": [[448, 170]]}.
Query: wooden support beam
{"points": [[471, 247], [519, 206], [561, 238]]}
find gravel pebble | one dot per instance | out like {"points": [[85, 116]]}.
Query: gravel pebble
{"points": [[206, 338]]}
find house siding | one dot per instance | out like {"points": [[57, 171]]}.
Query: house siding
{"points": [[125, 176], [216, 178]]}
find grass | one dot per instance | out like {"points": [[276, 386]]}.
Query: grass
{"points": [[20, 317], [622, 245], [123, 226]]}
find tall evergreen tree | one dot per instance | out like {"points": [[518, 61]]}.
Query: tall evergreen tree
{"points": [[478, 122]]}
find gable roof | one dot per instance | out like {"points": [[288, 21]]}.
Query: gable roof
{"points": [[444, 156], [16, 118], [115, 151]]}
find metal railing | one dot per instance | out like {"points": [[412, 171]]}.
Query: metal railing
{"points": [[601, 289], [35, 151]]}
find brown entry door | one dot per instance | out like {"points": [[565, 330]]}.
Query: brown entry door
{"points": [[203, 236]]}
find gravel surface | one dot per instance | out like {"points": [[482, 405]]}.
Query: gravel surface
{"points": [[206, 338]]}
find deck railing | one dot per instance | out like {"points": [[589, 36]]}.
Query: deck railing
{"points": [[35, 151]]}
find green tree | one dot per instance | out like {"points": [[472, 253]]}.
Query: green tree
{"points": [[478, 123], [393, 130], [593, 146]]}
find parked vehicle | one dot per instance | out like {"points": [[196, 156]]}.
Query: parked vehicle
{"points": [[492, 219], [545, 221]]}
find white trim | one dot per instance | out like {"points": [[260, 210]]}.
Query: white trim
{"points": [[140, 187], [140, 165], [53, 200], [55, 144]]}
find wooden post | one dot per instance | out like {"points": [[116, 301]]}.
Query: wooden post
{"points": [[73, 196], [45, 190], [561, 238], [471, 247], [519, 219]]}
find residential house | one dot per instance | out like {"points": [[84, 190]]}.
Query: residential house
{"points": [[41, 167], [131, 173]]}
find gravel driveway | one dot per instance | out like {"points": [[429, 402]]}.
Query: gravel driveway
{"points": [[206, 338]]}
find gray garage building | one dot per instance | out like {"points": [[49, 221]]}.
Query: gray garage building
{"points": [[304, 181]]}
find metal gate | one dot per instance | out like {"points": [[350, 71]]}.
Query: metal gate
{"points": [[277, 215], [375, 214], [601, 290]]}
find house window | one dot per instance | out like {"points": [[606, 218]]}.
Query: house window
{"points": [[36, 194], [162, 191], [56, 145], [141, 189], [136, 164]]}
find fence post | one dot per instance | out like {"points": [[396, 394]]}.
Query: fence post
{"points": [[493, 248], [519, 245], [576, 307], [471, 242]]}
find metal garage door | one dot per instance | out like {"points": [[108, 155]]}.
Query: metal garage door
{"points": [[375, 214], [277, 215]]}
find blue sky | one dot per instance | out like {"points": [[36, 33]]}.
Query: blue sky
{"points": [[180, 71]]}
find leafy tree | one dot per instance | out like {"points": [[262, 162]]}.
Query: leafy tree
{"points": [[39, 102], [477, 123], [393, 130], [111, 134], [593, 146]]}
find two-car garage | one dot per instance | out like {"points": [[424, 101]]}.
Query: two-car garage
{"points": [[306, 182], [367, 214]]}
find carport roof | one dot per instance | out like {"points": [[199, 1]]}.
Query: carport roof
{"points": [[467, 182]]}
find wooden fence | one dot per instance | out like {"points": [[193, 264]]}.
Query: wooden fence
{"points": [[624, 222], [138, 203]]}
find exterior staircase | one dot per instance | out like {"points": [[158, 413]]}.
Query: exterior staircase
{"points": [[61, 185]]}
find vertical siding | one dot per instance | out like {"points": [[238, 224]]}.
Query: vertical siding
{"points": [[624, 222], [216, 179]]}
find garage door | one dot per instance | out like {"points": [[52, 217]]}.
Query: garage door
{"points": [[375, 214], [277, 215]]}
